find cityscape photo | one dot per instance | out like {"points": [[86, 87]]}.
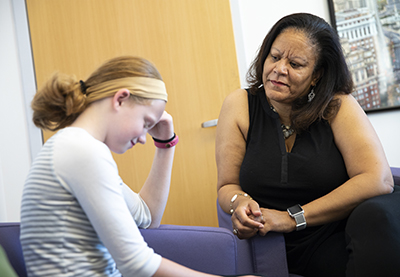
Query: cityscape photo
{"points": [[369, 32]]}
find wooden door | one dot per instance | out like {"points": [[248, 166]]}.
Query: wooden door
{"points": [[192, 45]]}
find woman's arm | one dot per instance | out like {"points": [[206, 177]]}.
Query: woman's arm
{"points": [[233, 124], [156, 188], [366, 166], [365, 162]]}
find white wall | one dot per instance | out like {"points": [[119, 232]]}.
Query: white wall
{"points": [[252, 19], [15, 86], [387, 125], [20, 140]]}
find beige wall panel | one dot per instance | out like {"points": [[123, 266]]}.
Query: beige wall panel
{"points": [[192, 45]]}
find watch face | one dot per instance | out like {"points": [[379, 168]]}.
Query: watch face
{"points": [[295, 209]]}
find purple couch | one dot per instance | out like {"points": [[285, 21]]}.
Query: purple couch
{"points": [[209, 249], [396, 175], [268, 254]]}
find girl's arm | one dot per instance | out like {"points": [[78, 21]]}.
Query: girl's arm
{"points": [[156, 188]]}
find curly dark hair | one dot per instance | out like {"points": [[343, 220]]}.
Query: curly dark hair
{"points": [[330, 62]]}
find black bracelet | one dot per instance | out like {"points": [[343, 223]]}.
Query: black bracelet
{"points": [[165, 141]]}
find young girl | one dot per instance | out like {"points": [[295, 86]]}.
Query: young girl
{"points": [[78, 218]]}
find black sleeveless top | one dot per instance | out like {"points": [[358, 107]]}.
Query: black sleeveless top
{"points": [[277, 179]]}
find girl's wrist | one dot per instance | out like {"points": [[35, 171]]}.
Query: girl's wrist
{"points": [[166, 143]]}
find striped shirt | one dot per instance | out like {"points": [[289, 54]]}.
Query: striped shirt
{"points": [[78, 218]]}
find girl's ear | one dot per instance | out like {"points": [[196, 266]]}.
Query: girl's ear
{"points": [[120, 97]]}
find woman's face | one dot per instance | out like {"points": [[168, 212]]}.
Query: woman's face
{"points": [[133, 124], [288, 68]]}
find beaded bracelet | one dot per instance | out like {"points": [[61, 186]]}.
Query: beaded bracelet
{"points": [[235, 197], [166, 143]]}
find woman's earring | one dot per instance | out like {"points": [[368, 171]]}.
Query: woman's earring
{"points": [[311, 95]]}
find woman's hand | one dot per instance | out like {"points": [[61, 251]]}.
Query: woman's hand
{"points": [[164, 129], [277, 221], [247, 218]]}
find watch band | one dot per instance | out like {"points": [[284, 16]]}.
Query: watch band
{"points": [[166, 143], [300, 222], [297, 213]]}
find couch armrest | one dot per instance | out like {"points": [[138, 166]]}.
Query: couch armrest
{"points": [[9, 240], [207, 249], [267, 254], [396, 175]]}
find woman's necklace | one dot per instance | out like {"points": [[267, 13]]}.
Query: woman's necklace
{"points": [[286, 129]]}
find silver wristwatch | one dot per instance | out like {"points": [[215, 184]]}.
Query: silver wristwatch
{"points": [[297, 213]]}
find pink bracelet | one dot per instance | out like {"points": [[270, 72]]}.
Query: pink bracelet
{"points": [[166, 143]]}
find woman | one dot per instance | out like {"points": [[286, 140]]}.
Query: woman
{"points": [[296, 152], [78, 218]]}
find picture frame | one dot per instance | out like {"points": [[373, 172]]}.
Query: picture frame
{"points": [[369, 32]]}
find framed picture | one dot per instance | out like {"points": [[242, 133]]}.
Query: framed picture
{"points": [[369, 31]]}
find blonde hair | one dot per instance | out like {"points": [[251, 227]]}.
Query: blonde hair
{"points": [[61, 100]]}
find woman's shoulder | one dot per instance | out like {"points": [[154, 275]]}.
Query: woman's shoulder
{"points": [[235, 101], [348, 105], [350, 112], [235, 112], [237, 96], [344, 97]]}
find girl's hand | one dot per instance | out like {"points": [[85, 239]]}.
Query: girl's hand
{"points": [[164, 129]]}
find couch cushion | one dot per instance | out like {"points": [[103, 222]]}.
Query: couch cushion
{"points": [[207, 249]]}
